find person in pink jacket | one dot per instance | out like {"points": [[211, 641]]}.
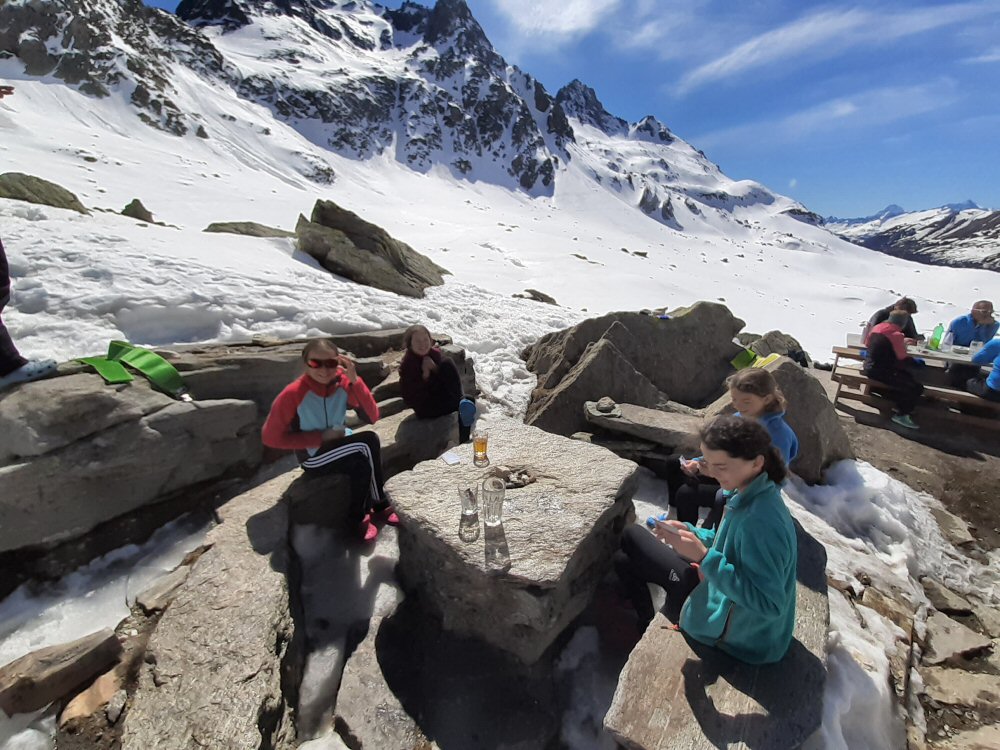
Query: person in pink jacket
{"points": [[308, 417]]}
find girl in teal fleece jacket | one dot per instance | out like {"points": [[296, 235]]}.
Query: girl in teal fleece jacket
{"points": [[734, 587]]}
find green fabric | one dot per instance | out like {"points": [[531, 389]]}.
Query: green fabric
{"points": [[746, 603], [744, 359], [113, 372], [157, 370]]}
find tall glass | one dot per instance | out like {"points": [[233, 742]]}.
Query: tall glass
{"points": [[480, 440], [469, 495], [493, 492]]}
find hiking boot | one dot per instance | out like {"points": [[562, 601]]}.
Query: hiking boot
{"points": [[388, 516], [34, 370], [904, 420], [367, 530]]}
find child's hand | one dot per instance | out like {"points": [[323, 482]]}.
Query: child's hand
{"points": [[688, 545], [349, 369], [333, 433], [428, 366], [692, 468], [668, 531]]}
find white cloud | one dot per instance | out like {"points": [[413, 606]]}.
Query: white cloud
{"points": [[990, 56], [866, 109], [828, 33], [793, 183], [560, 17]]}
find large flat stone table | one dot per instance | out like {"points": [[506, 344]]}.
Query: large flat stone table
{"points": [[518, 585]]}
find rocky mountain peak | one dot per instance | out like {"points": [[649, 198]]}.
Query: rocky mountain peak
{"points": [[450, 27], [230, 14], [108, 46], [580, 101], [649, 128]]}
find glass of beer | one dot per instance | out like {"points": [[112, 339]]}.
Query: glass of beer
{"points": [[480, 439]]}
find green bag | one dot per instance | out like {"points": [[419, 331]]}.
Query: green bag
{"points": [[745, 358], [158, 371]]}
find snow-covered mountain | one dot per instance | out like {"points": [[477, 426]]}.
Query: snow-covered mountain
{"points": [[423, 85], [253, 109], [957, 234]]}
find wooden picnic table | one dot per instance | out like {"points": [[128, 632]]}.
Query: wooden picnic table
{"points": [[951, 357]]}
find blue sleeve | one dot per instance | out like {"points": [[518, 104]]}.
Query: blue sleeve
{"points": [[784, 439], [952, 326], [988, 353]]}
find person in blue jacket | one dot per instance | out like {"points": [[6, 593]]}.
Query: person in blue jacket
{"points": [[978, 325], [755, 395], [731, 588], [990, 387]]}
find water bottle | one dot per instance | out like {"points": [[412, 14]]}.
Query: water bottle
{"points": [[947, 341], [935, 341]]}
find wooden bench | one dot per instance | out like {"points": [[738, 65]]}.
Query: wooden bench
{"points": [[677, 693], [854, 385]]}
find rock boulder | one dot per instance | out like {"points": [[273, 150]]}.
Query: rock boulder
{"points": [[26, 187], [677, 432], [68, 491], [516, 586], [247, 228], [216, 662], [351, 247], [601, 370], [685, 356]]}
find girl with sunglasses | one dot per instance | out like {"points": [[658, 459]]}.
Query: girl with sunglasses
{"points": [[308, 417]]}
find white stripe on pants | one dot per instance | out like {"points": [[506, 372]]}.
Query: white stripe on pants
{"points": [[325, 459]]}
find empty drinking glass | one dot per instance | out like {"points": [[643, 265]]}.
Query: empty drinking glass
{"points": [[493, 492], [469, 495]]}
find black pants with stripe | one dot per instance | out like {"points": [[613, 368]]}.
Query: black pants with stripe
{"points": [[645, 559], [359, 457]]}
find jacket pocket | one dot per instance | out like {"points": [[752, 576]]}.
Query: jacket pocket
{"points": [[725, 628]]}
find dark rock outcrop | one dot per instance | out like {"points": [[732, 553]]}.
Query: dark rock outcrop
{"points": [[247, 228], [26, 187], [685, 357], [351, 247], [135, 210]]}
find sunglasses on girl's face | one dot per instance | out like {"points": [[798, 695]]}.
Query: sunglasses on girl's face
{"points": [[315, 364]]}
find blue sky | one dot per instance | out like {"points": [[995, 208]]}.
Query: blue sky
{"points": [[846, 107]]}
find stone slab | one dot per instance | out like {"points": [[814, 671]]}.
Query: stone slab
{"points": [[48, 674], [944, 599], [676, 693], [68, 492], [678, 432], [956, 687], [214, 665], [519, 585], [949, 640]]}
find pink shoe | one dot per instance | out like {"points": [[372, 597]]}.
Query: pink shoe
{"points": [[389, 516], [367, 530]]}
